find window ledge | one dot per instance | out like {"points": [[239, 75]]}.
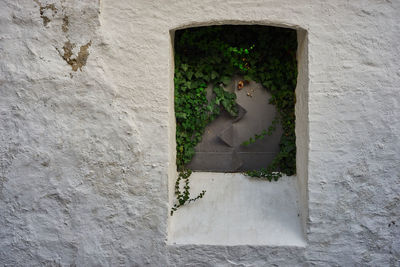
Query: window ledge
{"points": [[239, 210]]}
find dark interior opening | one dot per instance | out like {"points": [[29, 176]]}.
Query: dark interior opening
{"points": [[222, 147]]}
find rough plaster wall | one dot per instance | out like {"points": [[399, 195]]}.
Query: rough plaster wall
{"points": [[84, 154], [302, 123]]}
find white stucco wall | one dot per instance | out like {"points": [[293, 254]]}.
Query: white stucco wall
{"points": [[84, 155]]}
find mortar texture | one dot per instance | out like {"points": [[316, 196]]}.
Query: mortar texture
{"points": [[85, 115]]}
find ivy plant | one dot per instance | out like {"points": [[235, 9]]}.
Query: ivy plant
{"points": [[210, 56]]}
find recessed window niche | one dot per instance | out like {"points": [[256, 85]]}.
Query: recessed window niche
{"points": [[225, 122]]}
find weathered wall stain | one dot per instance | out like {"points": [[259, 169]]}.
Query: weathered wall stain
{"points": [[80, 60], [43, 8]]}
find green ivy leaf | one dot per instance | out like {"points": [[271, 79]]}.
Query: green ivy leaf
{"points": [[189, 75], [214, 75], [198, 74], [225, 80]]}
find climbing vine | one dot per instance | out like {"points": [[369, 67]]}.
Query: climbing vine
{"points": [[183, 196], [211, 56]]}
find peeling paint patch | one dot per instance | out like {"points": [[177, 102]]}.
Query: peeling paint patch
{"points": [[43, 9], [65, 24], [79, 61]]}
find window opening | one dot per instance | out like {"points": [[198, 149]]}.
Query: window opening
{"points": [[235, 98]]}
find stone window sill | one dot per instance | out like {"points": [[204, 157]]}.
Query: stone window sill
{"points": [[239, 210]]}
